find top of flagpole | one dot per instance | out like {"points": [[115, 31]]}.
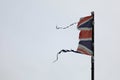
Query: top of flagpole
{"points": [[92, 13]]}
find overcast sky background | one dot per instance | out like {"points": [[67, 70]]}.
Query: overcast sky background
{"points": [[29, 40]]}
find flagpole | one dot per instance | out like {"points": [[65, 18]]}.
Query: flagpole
{"points": [[92, 57]]}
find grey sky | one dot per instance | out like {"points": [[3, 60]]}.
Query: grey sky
{"points": [[29, 41]]}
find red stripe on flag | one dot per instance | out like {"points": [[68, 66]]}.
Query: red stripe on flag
{"points": [[85, 34], [82, 20], [83, 51]]}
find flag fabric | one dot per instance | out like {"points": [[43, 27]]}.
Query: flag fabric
{"points": [[85, 25], [85, 45]]}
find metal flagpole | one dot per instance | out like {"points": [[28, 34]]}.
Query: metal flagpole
{"points": [[92, 57]]}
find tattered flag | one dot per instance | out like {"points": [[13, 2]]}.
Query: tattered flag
{"points": [[85, 45]]}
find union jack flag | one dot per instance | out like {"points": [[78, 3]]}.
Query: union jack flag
{"points": [[86, 27], [85, 36]]}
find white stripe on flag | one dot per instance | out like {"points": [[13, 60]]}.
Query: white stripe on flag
{"points": [[83, 47]]}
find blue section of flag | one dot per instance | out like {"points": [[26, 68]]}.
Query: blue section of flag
{"points": [[88, 24], [88, 44]]}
